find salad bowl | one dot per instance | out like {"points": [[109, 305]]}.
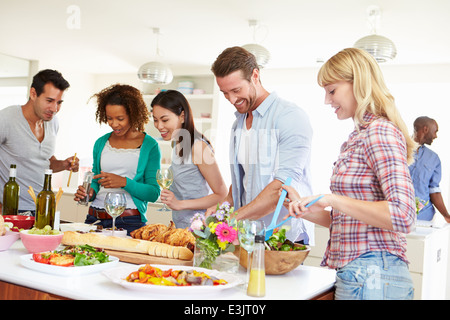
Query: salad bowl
{"points": [[40, 242], [281, 255]]}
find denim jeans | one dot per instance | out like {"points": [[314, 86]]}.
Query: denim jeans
{"points": [[375, 275]]}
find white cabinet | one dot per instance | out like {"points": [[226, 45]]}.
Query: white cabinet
{"points": [[427, 252], [428, 255], [70, 211], [204, 107]]}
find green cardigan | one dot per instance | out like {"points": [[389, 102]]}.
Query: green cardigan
{"points": [[144, 187]]}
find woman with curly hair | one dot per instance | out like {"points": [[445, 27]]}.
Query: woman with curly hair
{"points": [[125, 159]]}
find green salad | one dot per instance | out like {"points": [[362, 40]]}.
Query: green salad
{"points": [[278, 242], [85, 255]]}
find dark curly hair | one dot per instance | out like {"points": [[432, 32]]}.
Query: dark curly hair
{"points": [[127, 96]]}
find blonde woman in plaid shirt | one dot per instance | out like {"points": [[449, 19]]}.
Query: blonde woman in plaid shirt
{"points": [[372, 200]]}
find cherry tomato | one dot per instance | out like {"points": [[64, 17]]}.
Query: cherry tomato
{"points": [[41, 258]]}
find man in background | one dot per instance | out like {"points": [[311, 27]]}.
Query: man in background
{"points": [[28, 137], [426, 171]]}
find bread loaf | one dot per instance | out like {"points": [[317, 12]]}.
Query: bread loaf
{"points": [[151, 231], [166, 234], [126, 244]]}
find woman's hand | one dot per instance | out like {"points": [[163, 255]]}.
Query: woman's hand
{"points": [[298, 209], [170, 200], [110, 180], [81, 193], [211, 210]]}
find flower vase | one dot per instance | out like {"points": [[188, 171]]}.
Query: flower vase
{"points": [[215, 259]]}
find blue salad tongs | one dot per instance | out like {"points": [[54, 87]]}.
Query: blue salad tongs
{"points": [[272, 226]]}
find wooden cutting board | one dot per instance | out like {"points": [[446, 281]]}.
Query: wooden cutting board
{"points": [[141, 258]]}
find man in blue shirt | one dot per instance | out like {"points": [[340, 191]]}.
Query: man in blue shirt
{"points": [[426, 171], [270, 141]]}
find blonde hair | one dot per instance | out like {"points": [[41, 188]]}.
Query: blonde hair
{"points": [[360, 68]]}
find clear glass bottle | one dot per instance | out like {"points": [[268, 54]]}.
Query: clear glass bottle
{"points": [[87, 186], [45, 203], [257, 281], [11, 193]]}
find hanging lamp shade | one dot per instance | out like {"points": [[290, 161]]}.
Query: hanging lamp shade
{"points": [[381, 48], [261, 54], [155, 72]]}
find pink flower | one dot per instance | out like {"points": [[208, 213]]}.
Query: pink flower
{"points": [[197, 224], [225, 233]]}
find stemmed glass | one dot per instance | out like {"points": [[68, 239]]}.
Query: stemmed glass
{"points": [[165, 179], [247, 230], [115, 204]]}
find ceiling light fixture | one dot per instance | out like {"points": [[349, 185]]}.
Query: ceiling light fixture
{"points": [[155, 72], [261, 54], [381, 48]]}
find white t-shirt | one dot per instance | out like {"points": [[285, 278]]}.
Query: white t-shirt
{"points": [[122, 162], [243, 155], [18, 145]]}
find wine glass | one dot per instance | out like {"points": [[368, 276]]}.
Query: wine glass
{"points": [[247, 230], [165, 179], [115, 204]]}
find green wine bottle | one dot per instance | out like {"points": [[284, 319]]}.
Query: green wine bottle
{"points": [[45, 203], [11, 193]]}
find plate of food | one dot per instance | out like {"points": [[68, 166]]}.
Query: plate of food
{"points": [[70, 261], [166, 279]]}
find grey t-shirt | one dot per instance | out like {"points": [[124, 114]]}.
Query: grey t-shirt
{"points": [[18, 145]]}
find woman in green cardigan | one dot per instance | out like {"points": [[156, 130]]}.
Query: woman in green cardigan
{"points": [[125, 159]]}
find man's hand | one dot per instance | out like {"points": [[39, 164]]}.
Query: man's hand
{"points": [[71, 163]]}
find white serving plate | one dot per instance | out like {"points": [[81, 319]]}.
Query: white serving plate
{"points": [[28, 262], [118, 276], [76, 226]]}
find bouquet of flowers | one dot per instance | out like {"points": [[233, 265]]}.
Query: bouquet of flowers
{"points": [[420, 204], [215, 234]]}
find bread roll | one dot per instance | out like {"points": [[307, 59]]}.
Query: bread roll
{"points": [[126, 244], [2, 226]]}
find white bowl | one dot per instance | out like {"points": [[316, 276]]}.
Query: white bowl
{"points": [[8, 239], [76, 226], [117, 233], [35, 243]]}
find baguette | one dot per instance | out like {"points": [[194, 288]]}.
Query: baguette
{"points": [[126, 244], [168, 251]]}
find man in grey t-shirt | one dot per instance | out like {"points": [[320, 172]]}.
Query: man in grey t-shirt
{"points": [[28, 136]]}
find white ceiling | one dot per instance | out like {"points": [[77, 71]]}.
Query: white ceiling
{"points": [[116, 36]]}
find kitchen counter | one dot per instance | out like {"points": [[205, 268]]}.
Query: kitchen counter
{"points": [[427, 251], [303, 283]]}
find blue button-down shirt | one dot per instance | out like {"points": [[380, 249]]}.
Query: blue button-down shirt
{"points": [[283, 135], [426, 175]]}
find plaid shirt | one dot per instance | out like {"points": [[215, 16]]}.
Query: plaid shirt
{"points": [[372, 166]]}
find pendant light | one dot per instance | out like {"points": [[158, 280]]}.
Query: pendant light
{"points": [[381, 48], [261, 54], [155, 72]]}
